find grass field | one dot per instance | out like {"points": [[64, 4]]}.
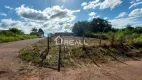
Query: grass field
{"points": [[75, 56]]}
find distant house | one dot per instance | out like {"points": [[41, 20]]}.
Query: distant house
{"points": [[41, 34], [63, 34]]}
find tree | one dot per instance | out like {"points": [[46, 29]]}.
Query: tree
{"points": [[40, 31], [129, 27], [100, 25], [15, 30], [96, 25], [138, 29], [81, 28], [34, 29], [34, 33]]}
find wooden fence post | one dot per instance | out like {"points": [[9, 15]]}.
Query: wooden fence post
{"points": [[100, 39], [112, 39], [59, 57], [64, 43], [121, 41], [48, 42], [46, 52], [83, 42]]}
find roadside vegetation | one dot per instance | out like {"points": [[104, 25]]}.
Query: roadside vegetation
{"points": [[13, 34], [106, 44], [100, 28]]}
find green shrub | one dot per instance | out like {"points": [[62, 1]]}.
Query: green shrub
{"points": [[13, 34], [138, 40], [96, 35], [15, 30], [34, 33]]}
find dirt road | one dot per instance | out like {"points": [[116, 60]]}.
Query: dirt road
{"points": [[9, 61], [12, 68]]}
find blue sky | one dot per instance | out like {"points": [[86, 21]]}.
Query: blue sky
{"points": [[60, 15]]}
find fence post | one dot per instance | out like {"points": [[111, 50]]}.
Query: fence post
{"points": [[59, 57], [63, 43], [46, 52], [48, 42], [83, 43], [112, 39], [121, 41], [100, 39]]}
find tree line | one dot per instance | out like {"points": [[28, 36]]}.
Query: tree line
{"points": [[36, 31], [98, 25]]}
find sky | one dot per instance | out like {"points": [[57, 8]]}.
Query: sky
{"points": [[60, 15]]}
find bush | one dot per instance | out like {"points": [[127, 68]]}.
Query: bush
{"points": [[13, 34], [34, 33], [7, 33], [96, 35], [15, 30], [138, 40]]}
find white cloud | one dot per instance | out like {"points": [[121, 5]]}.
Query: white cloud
{"points": [[3, 14], [105, 18], [101, 5], [6, 23], [56, 18], [122, 14], [32, 14], [132, 19], [8, 7], [135, 4], [136, 12], [92, 17], [25, 26], [84, 4], [110, 4], [122, 22], [90, 5], [92, 14], [46, 14], [134, 1]]}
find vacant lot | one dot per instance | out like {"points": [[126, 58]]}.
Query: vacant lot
{"points": [[84, 68]]}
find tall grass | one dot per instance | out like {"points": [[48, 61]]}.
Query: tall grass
{"points": [[15, 38], [122, 35], [8, 36]]}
